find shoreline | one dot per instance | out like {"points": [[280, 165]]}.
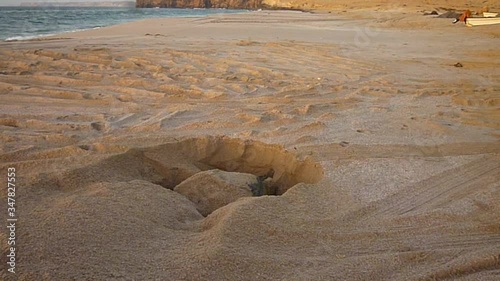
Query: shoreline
{"points": [[411, 20], [38, 36], [42, 37]]}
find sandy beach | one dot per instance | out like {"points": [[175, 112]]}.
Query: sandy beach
{"points": [[382, 155]]}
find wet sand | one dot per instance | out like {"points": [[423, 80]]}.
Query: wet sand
{"points": [[385, 155]]}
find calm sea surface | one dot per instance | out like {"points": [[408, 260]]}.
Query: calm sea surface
{"points": [[17, 23]]}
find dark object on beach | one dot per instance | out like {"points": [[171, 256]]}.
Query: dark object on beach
{"points": [[458, 65], [258, 188], [343, 143], [433, 13], [98, 126], [449, 15]]}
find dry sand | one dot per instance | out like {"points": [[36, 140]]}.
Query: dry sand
{"points": [[386, 155]]}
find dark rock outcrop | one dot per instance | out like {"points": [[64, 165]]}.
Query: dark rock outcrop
{"points": [[450, 15], [233, 4]]}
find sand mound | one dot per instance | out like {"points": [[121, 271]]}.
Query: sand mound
{"points": [[79, 229], [213, 189]]}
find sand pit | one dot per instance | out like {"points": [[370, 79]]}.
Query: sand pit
{"points": [[383, 155]]}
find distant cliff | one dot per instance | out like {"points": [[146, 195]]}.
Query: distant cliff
{"points": [[330, 5], [233, 4]]}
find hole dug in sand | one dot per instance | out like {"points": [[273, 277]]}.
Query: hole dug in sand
{"points": [[215, 171], [210, 190], [210, 171]]}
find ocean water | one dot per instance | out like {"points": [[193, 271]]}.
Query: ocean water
{"points": [[18, 23]]}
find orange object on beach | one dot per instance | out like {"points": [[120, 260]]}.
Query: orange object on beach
{"points": [[466, 14]]}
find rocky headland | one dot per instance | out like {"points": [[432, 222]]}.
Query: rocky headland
{"points": [[318, 5], [235, 4]]}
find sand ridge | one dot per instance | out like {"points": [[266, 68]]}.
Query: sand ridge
{"points": [[387, 155]]}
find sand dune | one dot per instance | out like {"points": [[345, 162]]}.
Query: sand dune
{"points": [[383, 156]]}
